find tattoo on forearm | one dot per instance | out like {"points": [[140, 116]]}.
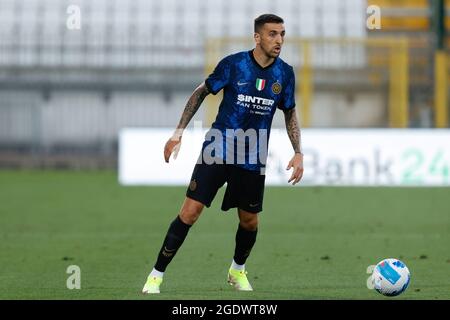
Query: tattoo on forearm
{"points": [[293, 129], [192, 105]]}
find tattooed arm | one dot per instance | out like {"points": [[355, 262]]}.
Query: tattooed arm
{"points": [[293, 130], [193, 104]]}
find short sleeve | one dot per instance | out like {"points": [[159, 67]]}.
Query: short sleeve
{"points": [[288, 100], [217, 80]]}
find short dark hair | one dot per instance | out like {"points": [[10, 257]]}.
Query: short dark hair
{"points": [[266, 18]]}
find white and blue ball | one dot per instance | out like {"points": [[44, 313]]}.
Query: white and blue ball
{"points": [[391, 277]]}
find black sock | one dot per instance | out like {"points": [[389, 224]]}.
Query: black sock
{"points": [[245, 240], [176, 234]]}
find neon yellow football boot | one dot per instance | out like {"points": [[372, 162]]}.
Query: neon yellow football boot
{"points": [[238, 279], [152, 285]]}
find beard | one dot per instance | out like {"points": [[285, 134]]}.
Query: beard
{"points": [[270, 52]]}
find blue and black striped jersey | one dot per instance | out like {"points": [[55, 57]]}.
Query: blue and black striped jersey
{"points": [[250, 98]]}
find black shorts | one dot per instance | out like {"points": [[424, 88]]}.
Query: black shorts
{"points": [[245, 188]]}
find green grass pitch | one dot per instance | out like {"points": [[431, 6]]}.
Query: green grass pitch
{"points": [[313, 242]]}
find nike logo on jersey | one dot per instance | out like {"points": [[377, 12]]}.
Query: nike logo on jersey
{"points": [[242, 83]]}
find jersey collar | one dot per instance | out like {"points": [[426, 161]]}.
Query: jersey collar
{"points": [[250, 53]]}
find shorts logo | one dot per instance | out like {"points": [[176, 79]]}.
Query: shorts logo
{"points": [[276, 88], [193, 185], [260, 84]]}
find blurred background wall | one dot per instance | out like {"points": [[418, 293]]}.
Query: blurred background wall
{"points": [[66, 92]]}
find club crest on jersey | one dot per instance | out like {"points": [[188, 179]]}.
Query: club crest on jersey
{"points": [[276, 88], [260, 84]]}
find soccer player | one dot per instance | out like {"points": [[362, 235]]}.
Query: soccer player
{"points": [[255, 83]]}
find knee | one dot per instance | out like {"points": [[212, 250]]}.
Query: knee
{"points": [[189, 214], [249, 223]]}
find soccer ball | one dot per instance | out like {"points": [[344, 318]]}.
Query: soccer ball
{"points": [[390, 277]]}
